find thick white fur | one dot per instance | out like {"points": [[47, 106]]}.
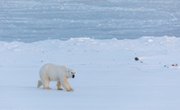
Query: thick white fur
{"points": [[52, 72]]}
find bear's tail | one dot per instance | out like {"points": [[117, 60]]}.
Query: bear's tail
{"points": [[39, 84]]}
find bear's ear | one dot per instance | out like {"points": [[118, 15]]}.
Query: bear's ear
{"points": [[73, 72]]}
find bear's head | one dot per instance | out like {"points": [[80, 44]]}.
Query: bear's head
{"points": [[71, 73]]}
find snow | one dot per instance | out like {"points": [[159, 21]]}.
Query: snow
{"points": [[108, 77]]}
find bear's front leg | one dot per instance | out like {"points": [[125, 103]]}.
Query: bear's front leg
{"points": [[59, 86], [66, 85]]}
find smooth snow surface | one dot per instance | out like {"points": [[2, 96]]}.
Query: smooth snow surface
{"points": [[108, 77]]}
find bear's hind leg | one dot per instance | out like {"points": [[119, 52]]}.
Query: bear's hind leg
{"points": [[46, 85], [39, 84]]}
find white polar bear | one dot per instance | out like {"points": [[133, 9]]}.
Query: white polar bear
{"points": [[52, 72]]}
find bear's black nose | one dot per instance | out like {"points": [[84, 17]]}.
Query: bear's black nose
{"points": [[73, 76]]}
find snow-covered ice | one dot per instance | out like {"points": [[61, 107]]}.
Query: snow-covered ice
{"points": [[108, 77]]}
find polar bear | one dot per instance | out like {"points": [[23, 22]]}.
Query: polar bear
{"points": [[51, 72]]}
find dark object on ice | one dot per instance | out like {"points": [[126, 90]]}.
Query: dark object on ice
{"points": [[175, 65], [166, 66], [172, 65], [136, 59]]}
